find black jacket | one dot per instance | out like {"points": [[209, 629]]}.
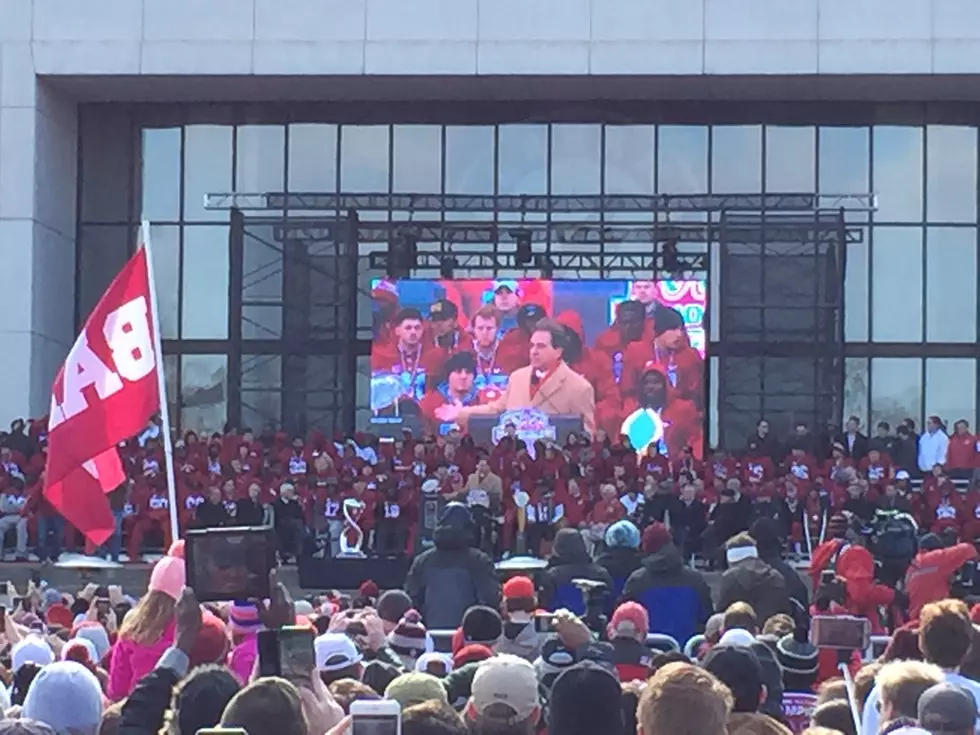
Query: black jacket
{"points": [[860, 448], [657, 506], [676, 597], [144, 710], [569, 560], [755, 582], [288, 511], [212, 515], [690, 519], [445, 581], [620, 563], [249, 513], [731, 518], [884, 444], [769, 541]]}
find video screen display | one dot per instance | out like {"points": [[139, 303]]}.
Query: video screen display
{"points": [[490, 357]]}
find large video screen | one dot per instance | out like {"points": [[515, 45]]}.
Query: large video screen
{"points": [[489, 357]]}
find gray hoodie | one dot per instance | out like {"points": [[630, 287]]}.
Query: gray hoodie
{"points": [[520, 639]]}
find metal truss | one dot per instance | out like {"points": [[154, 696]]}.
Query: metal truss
{"points": [[540, 204]]}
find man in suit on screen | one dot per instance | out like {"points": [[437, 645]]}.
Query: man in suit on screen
{"points": [[547, 384]]}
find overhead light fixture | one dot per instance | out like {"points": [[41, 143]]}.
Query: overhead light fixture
{"points": [[447, 267], [522, 255], [403, 252], [544, 264]]}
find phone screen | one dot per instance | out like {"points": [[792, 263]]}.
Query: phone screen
{"points": [[296, 655], [375, 724], [544, 623], [840, 632]]}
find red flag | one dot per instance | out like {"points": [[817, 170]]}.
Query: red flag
{"points": [[105, 393]]}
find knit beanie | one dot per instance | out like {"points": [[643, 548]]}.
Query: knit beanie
{"points": [[622, 535], [243, 618], [482, 624], [168, 577], [554, 659], [392, 605], [409, 636], [66, 696], [655, 537], [92, 631], [212, 642], [796, 655], [31, 649], [585, 698], [837, 526], [471, 654]]}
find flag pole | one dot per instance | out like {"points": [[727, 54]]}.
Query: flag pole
{"points": [[168, 449]]}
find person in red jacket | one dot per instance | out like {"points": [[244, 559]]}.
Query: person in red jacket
{"points": [[846, 554], [927, 578], [657, 402], [404, 357], [485, 327], [877, 467], [756, 466], [593, 367], [671, 349], [624, 331], [961, 454], [802, 467], [152, 512], [458, 388], [446, 337]]}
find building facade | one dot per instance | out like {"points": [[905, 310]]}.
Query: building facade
{"points": [[119, 110]]}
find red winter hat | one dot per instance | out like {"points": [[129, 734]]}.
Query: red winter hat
{"points": [[211, 645], [369, 588], [629, 619], [471, 654], [975, 614], [60, 616], [518, 588], [655, 537]]}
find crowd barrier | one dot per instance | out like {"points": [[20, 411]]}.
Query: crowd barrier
{"points": [[442, 640]]}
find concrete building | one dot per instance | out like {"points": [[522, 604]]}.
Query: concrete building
{"points": [[116, 110]]}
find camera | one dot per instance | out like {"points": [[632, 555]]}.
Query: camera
{"points": [[594, 595]]}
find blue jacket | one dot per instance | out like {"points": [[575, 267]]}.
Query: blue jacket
{"points": [[676, 598]]}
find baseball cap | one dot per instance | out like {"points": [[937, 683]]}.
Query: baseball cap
{"points": [[518, 588], [511, 285], [901, 475], [505, 680], [629, 620], [335, 651], [442, 310], [947, 708], [739, 669]]}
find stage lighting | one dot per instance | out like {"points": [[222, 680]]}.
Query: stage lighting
{"points": [[403, 251], [669, 260], [522, 255], [447, 268], [543, 263]]}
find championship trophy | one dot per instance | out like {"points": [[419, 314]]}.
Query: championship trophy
{"points": [[352, 549], [521, 499]]}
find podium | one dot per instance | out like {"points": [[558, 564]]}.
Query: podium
{"points": [[529, 424]]}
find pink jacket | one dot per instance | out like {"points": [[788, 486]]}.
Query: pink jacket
{"points": [[132, 661], [241, 660]]}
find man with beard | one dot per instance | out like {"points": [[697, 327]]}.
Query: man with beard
{"points": [[447, 337], [657, 414], [512, 353], [485, 327], [403, 357], [624, 331], [593, 367], [670, 348], [458, 389]]}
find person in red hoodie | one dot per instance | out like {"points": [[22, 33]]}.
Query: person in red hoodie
{"points": [[593, 367], [446, 337], [627, 633], [458, 388], [384, 306], [877, 467], [961, 453], [152, 512], [928, 576], [404, 357], [658, 414], [802, 467], [671, 349], [624, 331]]}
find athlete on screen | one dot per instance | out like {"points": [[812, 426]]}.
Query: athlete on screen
{"points": [[507, 300], [458, 389], [627, 329], [670, 348], [486, 341], [403, 358], [446, 338], [657, 415]]}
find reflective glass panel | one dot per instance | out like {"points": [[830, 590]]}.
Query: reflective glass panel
{"points": [[736, 159], [312, 157], [161, 174], [207, 169], [418, 159], [843, 160], [951, 389], [469, 159], [205, 314], [203, 393], [682, 159], [896, 390], [856, 292], [951, 173], [364, 158], [790, 158], [576, 152], [260, 155], [102, 252], [896, 287], [523, 159], [166, 275], [855, 401], [951, 284], [897, 173], [630, 159]]}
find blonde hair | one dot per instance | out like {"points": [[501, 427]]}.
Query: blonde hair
{"points": [[901, 683], [147, 621], [682, 699]]}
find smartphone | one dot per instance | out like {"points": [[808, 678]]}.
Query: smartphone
{"points": [[222, 731], [3, 616], [378, 717], [268, 650], [544, 623], [230, 563], [296, 656], [841, 632]]}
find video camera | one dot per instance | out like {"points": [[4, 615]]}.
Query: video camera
{"points": [[594, 595]]}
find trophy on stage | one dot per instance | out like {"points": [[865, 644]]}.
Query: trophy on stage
{"points": [[521, 500], [352, 536]]}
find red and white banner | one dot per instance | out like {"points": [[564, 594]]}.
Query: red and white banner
{"points": [[105, 393]]}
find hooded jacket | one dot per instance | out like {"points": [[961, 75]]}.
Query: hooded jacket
{"points": [[620, 562], [755, 723], [682, 420], [445, 581], [766, 536], [569, 560], [676, 598], [856, 566], [755, 582], [520, 639]]}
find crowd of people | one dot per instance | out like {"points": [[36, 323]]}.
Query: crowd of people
{"points": [[522, 495], [99, 662]]}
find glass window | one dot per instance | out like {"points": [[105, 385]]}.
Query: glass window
{"points": [[630, 159], [259, 166], [576, 152], [523, 159], [312, 157], [261, 390], [855, 389], [951, 173], [364, 158], [418, 159], [790, 159], [856, 292], [951, 389], [205, 314], [843, 161], [469, 159], [897, 173], [102, 252], [682, 159], [171, 365], [207, 169], [161, 174], [203, 393], [166, 275], [106, 162], [896, 390], [736, 158], [896, 284], [951, 284]]}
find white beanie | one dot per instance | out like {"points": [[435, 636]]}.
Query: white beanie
{"points": [[93, 654], [66, 696], [99, 638], [737, 637], [32, 649]]}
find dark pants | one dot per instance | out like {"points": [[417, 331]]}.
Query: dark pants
{"points": [[290, 535], [50, 533], [390, 537]]}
